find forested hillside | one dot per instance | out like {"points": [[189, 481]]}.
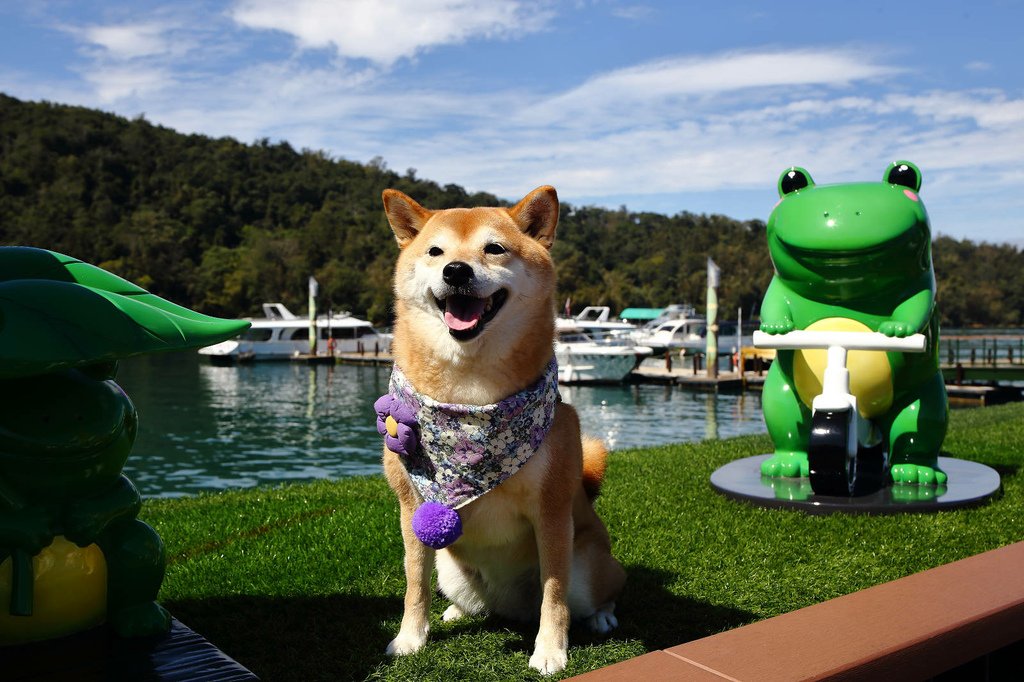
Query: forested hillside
{"points": [[223, 226]]}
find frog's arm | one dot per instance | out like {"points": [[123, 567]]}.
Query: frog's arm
{"points": [[23, 526], [910, 316], [24, 531], [776, 317], [86, 519]]}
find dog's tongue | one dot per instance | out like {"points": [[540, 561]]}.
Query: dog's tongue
{"points": [[463, 312]]}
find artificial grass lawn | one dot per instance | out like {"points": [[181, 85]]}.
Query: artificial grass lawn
{"points": [[305, 582]]}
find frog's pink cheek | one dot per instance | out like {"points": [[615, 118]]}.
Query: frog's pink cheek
{"points": [[910, 195]]}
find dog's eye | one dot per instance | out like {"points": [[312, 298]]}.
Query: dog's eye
{"points": [[435, 251], [494, 249]]}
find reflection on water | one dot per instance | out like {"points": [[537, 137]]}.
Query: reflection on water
{"points": [[644, 414], [209, 428]]}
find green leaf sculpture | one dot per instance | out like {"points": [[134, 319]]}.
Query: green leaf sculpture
{"points": [[58, 312]]}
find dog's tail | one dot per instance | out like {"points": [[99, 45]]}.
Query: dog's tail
{"points": [[595, 462]]}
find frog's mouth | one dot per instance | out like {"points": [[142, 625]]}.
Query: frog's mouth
{"points": [[835, 259], [64, 418], [893, 250]]}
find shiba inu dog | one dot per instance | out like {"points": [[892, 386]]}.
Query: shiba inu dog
{"points": [[474, 335]]}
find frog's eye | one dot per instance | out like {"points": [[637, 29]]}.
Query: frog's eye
{"points": [[794, 179], [903, 173]]}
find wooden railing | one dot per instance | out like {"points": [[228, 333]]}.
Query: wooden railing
{"points": [[914, 628]]}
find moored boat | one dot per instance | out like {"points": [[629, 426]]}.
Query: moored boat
{"points": [[674, 335], [583, 359], [282, 335], [595, 322]]}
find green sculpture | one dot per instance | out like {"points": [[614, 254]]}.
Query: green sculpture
{"points": [[855, 258], [72, 552]]}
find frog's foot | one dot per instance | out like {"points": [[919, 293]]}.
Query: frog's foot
{"points": [[788, 464], [919, 474], [896, 328], [781, 326], [141, 620]]}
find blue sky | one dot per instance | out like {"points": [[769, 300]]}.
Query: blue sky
{"points": [[660, 106]]}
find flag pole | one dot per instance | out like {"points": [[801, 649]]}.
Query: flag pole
{"points": [[314, 288], [711, 346]]}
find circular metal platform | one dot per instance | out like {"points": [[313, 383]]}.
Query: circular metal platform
{"points": [[970, 484]]}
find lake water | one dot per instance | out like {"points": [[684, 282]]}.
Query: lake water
{"points": [[205, 428]]}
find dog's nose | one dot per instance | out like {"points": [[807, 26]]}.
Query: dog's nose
{"points": [[457, 273]]}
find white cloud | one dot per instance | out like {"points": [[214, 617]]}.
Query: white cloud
{"points": [[985, 108], [384, 31], [114, 84], [655, 89], [127, 41], [734, 71]]}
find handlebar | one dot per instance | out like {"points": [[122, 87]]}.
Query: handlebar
{"points": [[803, 339]]}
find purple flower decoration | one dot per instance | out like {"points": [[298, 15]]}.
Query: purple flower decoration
{"points": [[467, 452], [397, 423], [436, 525], [457, 489]]}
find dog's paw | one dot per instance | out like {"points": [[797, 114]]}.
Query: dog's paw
{"points": [[451, 613], [602, 622], [549, 661], [406, 643]]}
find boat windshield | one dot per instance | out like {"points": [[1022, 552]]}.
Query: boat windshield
{"points": [[258, 334], [347, 332]]}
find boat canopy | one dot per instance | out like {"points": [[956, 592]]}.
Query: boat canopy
{"points": [[640, 314]]}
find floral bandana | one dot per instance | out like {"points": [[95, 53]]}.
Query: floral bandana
{"points": [[456, 453]]}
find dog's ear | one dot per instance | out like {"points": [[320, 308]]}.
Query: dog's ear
{"points": [[406, 217], [537, 214]]}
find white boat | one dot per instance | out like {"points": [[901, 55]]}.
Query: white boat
{"points": [[281, 335], [673, 335], [595, 322], [583, 359]]}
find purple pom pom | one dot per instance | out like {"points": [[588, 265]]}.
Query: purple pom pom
{"points": [[436, 525]]}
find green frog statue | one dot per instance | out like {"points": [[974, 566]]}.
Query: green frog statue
{"points": [[72, 552], [857, 258]]}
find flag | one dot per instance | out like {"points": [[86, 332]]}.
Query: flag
{"points": [[713, 273]]}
